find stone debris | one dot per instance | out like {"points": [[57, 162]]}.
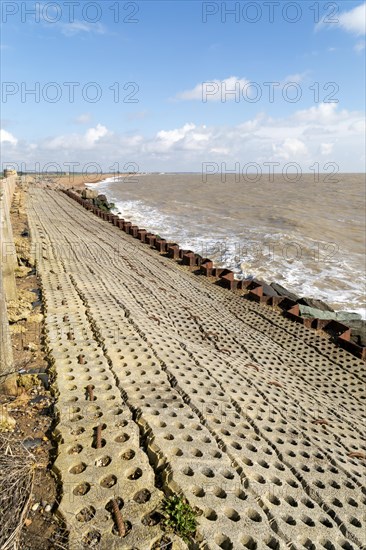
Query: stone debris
{"points": [[7, 422]]}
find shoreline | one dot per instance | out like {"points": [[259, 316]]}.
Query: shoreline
{"points": [[357, 311], [350, 328]]}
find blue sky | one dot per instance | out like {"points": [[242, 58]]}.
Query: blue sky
{"points": [[175, 59]]}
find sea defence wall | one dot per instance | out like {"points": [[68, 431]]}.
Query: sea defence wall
{"points": [[167, 383], [7, 274], [254, 290]]}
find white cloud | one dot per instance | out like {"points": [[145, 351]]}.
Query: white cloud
{"points": [[216, 90], [352, 21], [326, 148], [322, 114], [76, 141], [94, 134], [290, 148], [321, 133], [7, 137], [83, 118], [76, 27]]}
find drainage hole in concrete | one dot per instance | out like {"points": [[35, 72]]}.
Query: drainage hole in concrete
{"points": [[239, 493], [210, 514], [198, 491], [128, 455], [95, 442], [208, 472], [310, 504], [197, 452], [319, 484], [291, 501], [223, 542], [335, 485], [163, 544], [219, 493], [76, 418], [75, 450], [196, 427], [289, 519], [109, 506], [308, 521], [169, 437], [121, 424], [177, 451], [78, 468], [232, 514], [308, 544], [292, 483], [327, 544], [273, 544], [346, 545], [128, 527], [103, 461], [249, 542], [273, 499], [108, 481], [77, 431], [152, 519], [81, 489], [227, 474], [253, 515], [86, 514], [92, 539], [259, 479], [142, 496], [354, 521], [216, 454], [134, 473], [188, 471], [122, 438]]}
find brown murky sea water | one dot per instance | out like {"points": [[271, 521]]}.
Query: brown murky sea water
{"points": [[306, 235]]}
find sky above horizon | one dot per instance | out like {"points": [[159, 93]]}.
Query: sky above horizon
{"points": [[183, 85]]}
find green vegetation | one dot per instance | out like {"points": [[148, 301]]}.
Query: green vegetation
{"points": [[179, 516]]}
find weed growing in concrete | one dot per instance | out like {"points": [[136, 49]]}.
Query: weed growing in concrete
{"points": [[179, 516]]}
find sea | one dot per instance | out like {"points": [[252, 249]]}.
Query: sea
{"points": [[305, 232]]}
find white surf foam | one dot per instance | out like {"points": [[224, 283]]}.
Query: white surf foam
{"points": [[305, 267]]}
